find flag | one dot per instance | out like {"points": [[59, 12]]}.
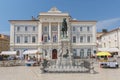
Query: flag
{"points": [[48, 37]]}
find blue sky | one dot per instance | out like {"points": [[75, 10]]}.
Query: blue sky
{"points": [[106, 12]]}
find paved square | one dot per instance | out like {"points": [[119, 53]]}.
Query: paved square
{"points": [[33, 73]]}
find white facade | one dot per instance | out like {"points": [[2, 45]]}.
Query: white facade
{"points": [[111, 39], [44, 34]]}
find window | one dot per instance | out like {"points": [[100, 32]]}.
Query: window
{"points": [[88, 38], [81, 53], [54, 38], [33, 39], [74, 39], [74, 52], [81, 28], [45, 39], [45, 29], [89, 52], [18, 39], [18, 28], [26, 28], [33, 28], [81, 39], [73, 28], [88, 28], [54, 28], [25, 39]]}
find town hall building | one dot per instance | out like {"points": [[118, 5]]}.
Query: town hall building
{"points": [[44, 34]]}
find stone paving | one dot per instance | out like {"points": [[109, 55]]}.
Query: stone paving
{"points": [[33, 73]]}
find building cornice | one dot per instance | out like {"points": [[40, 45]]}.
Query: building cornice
{"points": [[22, 20], [83, 21]]}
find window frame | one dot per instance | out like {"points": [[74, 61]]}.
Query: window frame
{"points": [[26, 39], [81, 28], [82, 53], [89, 52], [34, 28], [74, 39], [33, 39], [45, 28], [81, 39], [55, 38], [18, 39], [26, 28], [88, 28], [18, 28], [88, 39], [45, 39], [74, 28]]}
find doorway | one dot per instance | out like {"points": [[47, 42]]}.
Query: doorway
{"points": [[54, 54]]}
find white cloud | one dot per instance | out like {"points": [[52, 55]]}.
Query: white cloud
{"points": [[108, 24]]}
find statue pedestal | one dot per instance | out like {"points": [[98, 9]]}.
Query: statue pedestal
{"points": [[63, 61], [64, 39]]}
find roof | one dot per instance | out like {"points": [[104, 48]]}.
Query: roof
{"points": [[99, 34], [111, 31]]}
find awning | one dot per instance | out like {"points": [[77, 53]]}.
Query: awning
{"points": [[102, 49], [103, 54], [109, 49], [9, 52], [30, 52], [113, 49]]}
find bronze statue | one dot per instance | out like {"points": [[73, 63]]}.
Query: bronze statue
{"points": [[64, 27]]}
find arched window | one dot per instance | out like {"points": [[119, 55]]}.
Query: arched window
{"points": [[54, 54], [89, 52], [81, 53], [74, 52]]}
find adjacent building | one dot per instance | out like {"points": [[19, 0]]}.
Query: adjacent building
{"points": [[4, 43], [99, 39], [44, 34], [111, 39]]}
